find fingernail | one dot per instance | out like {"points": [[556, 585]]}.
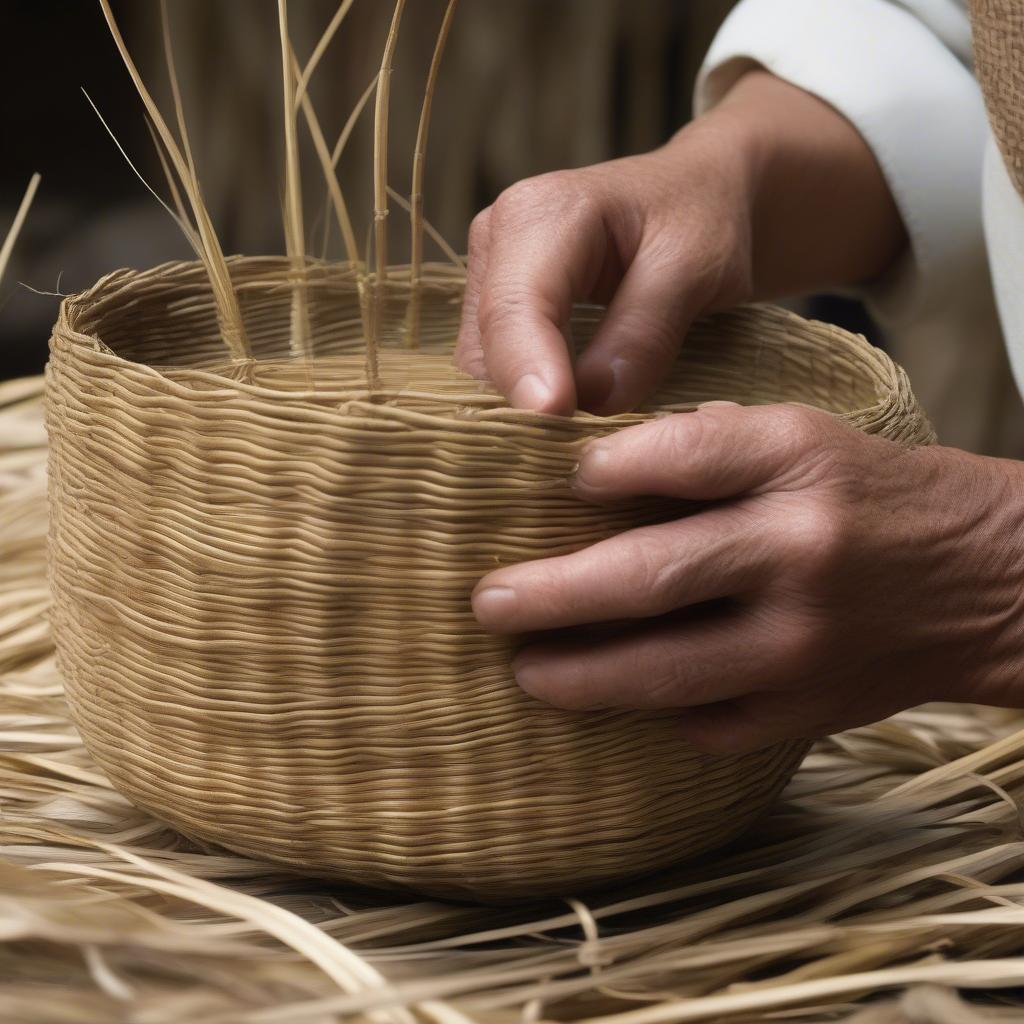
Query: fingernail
{"points": [[607, 386], [622, 371], [530, 392], [494, 604], [592, 469], [528, 675], [718, 404]]}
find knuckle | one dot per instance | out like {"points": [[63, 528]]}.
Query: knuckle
{"points": [[512, 307], [820, 536], [480, 230], [674, 438], [540, 197], [500, 308], [797, 429], [815, 450], [523, 195], [698, 443]]}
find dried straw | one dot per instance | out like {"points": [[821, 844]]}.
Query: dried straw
{"points": [[19, 220], [418, 169], [892, 865], [380, 191], [295, 235], [210, 252]]}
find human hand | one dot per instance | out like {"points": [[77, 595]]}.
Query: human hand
{"points": [[745, 203], [833, 579]]}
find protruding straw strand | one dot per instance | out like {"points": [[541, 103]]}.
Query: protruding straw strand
{"points": [[172, 185], [346, 131], [179, 206], [439, 240], [294, 232], [380, 145], [19, 220], [319, 50], [380, 190], [339, 148], [172, 75], [179, 218], [418, 162], [229, 313], [333, 188]]}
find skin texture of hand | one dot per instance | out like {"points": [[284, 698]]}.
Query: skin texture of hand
{"points": [[830, 580], [746, 203]]}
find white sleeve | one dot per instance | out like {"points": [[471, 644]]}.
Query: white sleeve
{"points": [[899, 72]]}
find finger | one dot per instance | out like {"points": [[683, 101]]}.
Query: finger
{"points": [[546, 250], [639, 337], [679, 662], [468, 354], [721, 552], [744, 725], [716, 452]]}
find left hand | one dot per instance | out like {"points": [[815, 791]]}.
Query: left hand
{"points": [[833, 579]]}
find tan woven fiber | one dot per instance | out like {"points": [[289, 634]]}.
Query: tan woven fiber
{"points": [[261, 582], [998, 27]]}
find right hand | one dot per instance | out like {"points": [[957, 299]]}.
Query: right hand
{"points": [[771, 193]]}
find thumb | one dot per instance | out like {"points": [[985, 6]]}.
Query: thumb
{"points": [[639, 337]]}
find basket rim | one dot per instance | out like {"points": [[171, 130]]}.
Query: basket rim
{"points": [[237, 377]]}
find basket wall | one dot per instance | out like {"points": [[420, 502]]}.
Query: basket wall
{"points": [[261, 577]]}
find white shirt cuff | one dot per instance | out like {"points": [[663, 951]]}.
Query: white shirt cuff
{"points": [[918, 108]]}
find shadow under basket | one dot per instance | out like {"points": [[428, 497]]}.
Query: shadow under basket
{"points": [[261, 576]]}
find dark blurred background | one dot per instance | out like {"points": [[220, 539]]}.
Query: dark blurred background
{"points": [[527, 86]]}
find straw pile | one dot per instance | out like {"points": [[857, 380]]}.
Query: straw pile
{"points": [[893, 863]]}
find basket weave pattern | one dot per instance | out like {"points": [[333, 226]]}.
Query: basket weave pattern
{"points": [[261, 576]]}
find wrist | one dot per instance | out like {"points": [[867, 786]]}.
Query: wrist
{"points": [[812, 179], [987, 499]]}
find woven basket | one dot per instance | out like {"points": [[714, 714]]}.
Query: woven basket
{"points": [[261, 577]]}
